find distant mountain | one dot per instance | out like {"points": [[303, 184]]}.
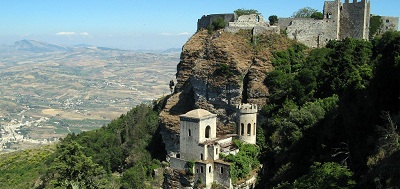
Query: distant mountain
{"points": [[34, 46], [37, 46]]}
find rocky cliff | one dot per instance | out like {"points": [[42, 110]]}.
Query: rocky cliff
{"points": [[217, 71]]}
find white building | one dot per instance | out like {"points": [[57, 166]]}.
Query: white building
{"points": [[199, 144]]}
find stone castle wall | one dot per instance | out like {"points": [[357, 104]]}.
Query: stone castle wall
{"points": [[389, 24], [318, 36], [341, 20], [206, 20], [354, 20], [332, 17]]}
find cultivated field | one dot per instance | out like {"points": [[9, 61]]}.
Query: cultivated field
{"points": [[75, 91]]}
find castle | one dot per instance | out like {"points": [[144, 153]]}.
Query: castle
{"points": [[341, 20], [200, 144]]}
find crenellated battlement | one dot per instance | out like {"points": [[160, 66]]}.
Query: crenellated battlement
{"points": [[247, 108], [354, 1]]}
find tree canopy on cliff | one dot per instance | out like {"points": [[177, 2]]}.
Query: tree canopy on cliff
{"points": [[240, 12], [326, 106], [305, 12]]}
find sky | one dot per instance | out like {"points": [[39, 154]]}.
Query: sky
{"points": [[134, 24]]}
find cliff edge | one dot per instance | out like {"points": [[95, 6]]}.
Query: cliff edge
{"points": [[216, 72]]}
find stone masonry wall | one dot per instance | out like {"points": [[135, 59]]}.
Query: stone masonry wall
{"points": [[332, 17], [389, 24], [177, 163], [354, 20], [316, 37], [206, 20]]}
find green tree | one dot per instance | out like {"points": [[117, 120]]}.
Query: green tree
{"points": [[244, 161], [350, 67], [273, 19], [240, 12], [386, 81], [317, 15], [328, 175], [305, 12], [216, 24], [134, 177], [375, 25], [71, 168]]}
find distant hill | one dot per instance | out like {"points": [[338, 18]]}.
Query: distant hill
{"points": [[34, 46], [37, 46]]}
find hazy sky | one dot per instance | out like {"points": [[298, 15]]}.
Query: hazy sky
{"points": [[134, 24]]}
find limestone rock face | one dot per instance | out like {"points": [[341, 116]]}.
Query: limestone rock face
{"points": [[216, 72], [177, 179]]}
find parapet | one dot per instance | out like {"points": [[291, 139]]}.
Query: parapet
{"points": [[355, 1], [247, 108]]}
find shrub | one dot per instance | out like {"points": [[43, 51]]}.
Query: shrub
{"points": [[216, 24], [273, 19]]}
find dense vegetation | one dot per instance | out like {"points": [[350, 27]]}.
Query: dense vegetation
{"points": [[374, 26], [22, 169], [243, 162], [332, 116], [122, 154]]}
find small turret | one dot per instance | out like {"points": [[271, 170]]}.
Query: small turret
{"points": [[246, 122]]}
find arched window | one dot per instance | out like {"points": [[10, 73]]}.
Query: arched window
{"points": [[208, 128], [248, 129], [190, 133], [201, 169], [201, 156], [222, 169], [242, 129], [209, 169], [254, 129]]}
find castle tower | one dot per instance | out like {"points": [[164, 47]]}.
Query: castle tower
{"points": [[354, 19], [332, 16], [246, 122], [196, 128]]}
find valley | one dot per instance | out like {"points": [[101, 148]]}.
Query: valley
{"points": [[48, 94]]}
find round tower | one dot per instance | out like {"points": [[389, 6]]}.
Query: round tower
{"points": [[246, 122]]}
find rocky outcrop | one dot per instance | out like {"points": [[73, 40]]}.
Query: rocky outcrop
{"points": [[177, 179], [216, 72]]}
